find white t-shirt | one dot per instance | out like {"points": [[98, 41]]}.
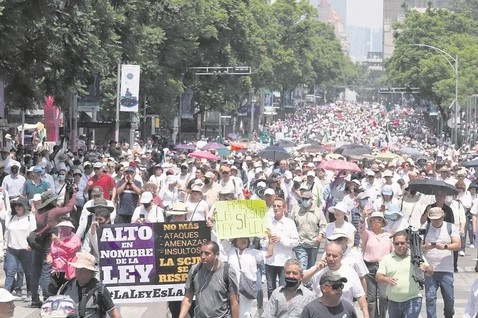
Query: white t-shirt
{"points": [[18, 229], [352, 288], [440, 260], [200, 207], [155, 215]]}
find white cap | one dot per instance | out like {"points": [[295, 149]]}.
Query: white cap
{"points": [[297, 179], [269, 191], [310, 165], [146, 197], [261, 184], [258, 170], [310, 174]]}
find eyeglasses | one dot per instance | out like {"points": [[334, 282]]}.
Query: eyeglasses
{"points": [[337, 286], [399, 243]]}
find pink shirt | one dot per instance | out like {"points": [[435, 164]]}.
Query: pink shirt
{"points": [[374, 246], [65, 253]]}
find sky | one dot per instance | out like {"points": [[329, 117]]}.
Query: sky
{"points": [[365, 13]]}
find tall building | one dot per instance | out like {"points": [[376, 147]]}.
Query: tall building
{"points": [[328, 15], [393, 12]]}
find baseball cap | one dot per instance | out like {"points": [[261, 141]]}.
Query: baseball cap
{"points": [[338, 233], [269, 191], [98, 165], [387, 190], [37, 169], [310, 174], [332, 277]]}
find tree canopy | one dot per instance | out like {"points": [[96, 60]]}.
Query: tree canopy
{"points": [[433, 72], [57, 47]]}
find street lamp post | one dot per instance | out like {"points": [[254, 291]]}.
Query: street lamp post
{"points": [[454, 65]]}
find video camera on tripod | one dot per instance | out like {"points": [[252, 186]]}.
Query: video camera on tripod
{"points": [[416, 254]]}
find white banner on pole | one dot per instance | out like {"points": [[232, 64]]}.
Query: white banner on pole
{"points": [[129, 92]]}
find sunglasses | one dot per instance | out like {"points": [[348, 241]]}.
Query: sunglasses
{"points": [[337, 286]]}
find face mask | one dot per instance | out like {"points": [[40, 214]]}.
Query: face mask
{"points": [[146, 205], [61, 177], [305, 203], [291, 282]]}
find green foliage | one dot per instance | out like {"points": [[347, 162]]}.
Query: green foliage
{"points": [[55, 48], [413, 66]]}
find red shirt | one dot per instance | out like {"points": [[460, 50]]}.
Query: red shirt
{"points": [[104, 181]]}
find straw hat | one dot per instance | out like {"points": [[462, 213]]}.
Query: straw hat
{"points": [[85, 260]]}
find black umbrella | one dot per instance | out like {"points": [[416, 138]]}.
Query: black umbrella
{"points": [[273, 153], [353, 149], [286, 144], [471, 164], [432, 186]]}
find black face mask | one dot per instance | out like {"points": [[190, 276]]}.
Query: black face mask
{"points": [[291, 282], [207, 180], [146, 205]]}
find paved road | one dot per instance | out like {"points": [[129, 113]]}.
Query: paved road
{"points": [[463, 281]]}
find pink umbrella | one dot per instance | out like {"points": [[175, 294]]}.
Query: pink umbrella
{"points": [[203, 155], [337, 164], [213, 146]]}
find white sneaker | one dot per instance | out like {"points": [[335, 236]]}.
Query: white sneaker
{"points": [[461, 253], [472, 246]]}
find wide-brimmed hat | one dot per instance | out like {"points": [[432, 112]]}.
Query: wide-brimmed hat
{"points": [[100, 203], [62, 157], [393, 208], [36, 197], [340, 207], [22, 201], [85, 260], [178, 208], [146, 198], [436, 213], [338, 233], [47, 197], [377, 214], [65, 224]]}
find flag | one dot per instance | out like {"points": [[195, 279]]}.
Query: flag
{"points": [[129, 90]]}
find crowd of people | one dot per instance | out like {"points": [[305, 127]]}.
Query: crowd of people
{"points": [[53, 202]]}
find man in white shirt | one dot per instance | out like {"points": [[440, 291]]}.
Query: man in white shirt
{"points": [[284, 236], [14, 182]]}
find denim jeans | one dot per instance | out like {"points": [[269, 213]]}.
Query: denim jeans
{"points": [[307, 256], [443, 280], [41, 272], [406, 309], [273, 273], [260, 293], [14, 260], [376, 296]]}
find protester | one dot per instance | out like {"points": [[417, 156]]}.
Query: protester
{"points": [[97, 302], [147, 212], [213, 284], [376, 244], [127, 191], [289, 299], [330, 303], [441, 239], [395, 270], [339, 211]]}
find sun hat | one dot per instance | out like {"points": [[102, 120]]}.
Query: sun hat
{"points": [[436, 213], [178, 208], [338, 233], [47, 197], [196, 188], [378, 214], [146, 197], [24, 202], [100, 202], [77, 171], [36, 197], [85, 260], [387, 173], [6, 296], [341, 206], [65, 224], [331, 277]]}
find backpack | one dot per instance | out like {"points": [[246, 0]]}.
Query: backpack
{"points": [[225, 273], [448, 228], [98, 291]]}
